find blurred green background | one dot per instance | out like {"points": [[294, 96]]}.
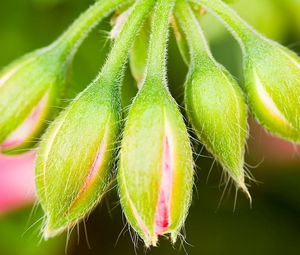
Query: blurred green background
{"points": [[271, 226]]}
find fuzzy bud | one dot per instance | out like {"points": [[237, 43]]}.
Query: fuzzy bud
{"points": [[73, 162], [217, 111], [29, 90], [272, 75], [155, 174]]}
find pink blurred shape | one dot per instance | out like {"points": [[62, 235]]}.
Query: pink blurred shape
{"points": [[17, 187]]}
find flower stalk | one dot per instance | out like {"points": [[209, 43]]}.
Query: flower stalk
{"points": [[209, 87], [155, 174]]}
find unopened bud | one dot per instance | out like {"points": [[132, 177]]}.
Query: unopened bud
{"points": [[29, 90], [72, 170], [217, 111], [273, 88], [155, 174]]}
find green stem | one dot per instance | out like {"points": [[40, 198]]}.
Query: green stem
{"points": [[71, 39], [119, 52], [198, 45], [157, 54], [242, 31]]}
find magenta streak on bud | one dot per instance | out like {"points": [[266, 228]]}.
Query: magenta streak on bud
{"points": [[94, 169], [162, 216], [97, 162], [24, 131]]}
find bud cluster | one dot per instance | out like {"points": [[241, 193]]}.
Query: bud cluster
{"points": [[155, 172]]}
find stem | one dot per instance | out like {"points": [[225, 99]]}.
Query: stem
{"points": [[157, 54], [70, 40], [198, 45], [241, 30], [119, 52]]}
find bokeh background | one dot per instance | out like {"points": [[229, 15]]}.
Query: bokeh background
{"points": [[270, 226]]}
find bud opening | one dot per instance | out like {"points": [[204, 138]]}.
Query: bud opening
{"points": [[268, 102], [94, 170], [162, 216]]}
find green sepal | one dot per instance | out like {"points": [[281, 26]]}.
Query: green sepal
{"points": [[38, 76], [218, 113], [141, 158], [272, 77], [82, 134]]}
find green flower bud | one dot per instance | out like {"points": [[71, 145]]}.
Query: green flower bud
{"points": [[217, 111], [214, 102], [272, 75], [29, 92], [155, 174], [72, 168]]}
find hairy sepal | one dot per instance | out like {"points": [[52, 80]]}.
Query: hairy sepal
{"points": [[73, 163], [31, 84], [272, 75], [154, 117], [218, 113]]}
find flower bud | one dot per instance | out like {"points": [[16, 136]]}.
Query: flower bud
{"points": [[155, 174], [74, 157], [272, 75], [28, 94], [217, 111]]}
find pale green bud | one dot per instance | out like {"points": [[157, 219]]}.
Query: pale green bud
{"points": [[214, 102], [217, 111], [272, 75], [155, 173], [29, 91], [73, 162]]}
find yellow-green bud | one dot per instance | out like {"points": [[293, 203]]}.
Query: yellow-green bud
{"points": [[218, 113], [72, 168], [273, 88], [29, 91], [155, 174]]}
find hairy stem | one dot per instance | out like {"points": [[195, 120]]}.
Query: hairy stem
{"points": [[119, 52], [198, 45], [77, 32], [242, 31], [157, 53]]}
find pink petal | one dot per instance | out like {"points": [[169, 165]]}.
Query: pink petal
{"points": [[17, 187]]}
